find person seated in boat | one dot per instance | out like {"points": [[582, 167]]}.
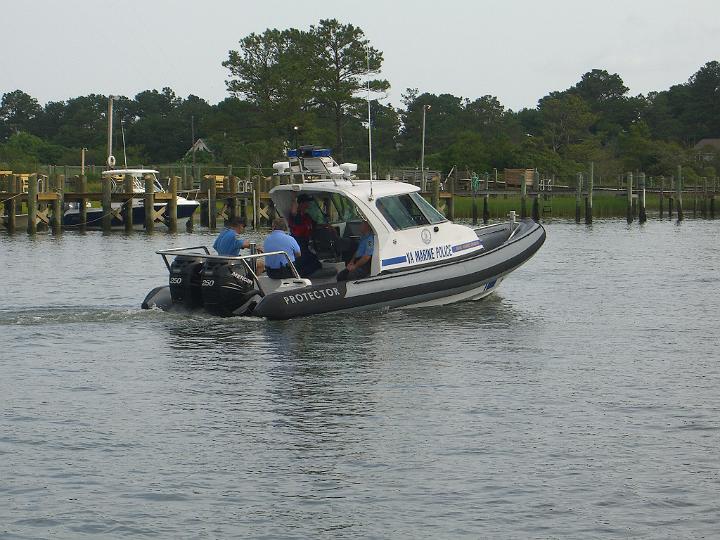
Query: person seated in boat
{"points": [[228, 243], [277, 266], [300, 222], [301, 228], [359, 266]]}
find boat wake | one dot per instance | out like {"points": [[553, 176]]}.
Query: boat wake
{"points": [[63, 315]]}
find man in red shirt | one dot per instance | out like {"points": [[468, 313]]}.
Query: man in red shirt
{"points": [[301, 228]]}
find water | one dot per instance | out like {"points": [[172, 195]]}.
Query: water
{"points": [[580, 401]]}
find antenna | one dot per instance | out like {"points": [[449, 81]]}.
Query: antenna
{"points": [[122, 130], [367, 55]]}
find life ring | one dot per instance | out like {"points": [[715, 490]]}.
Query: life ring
{"points": [[111, 161]]}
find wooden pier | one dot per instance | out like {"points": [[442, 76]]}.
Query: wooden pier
{"points": [[225, 196]]}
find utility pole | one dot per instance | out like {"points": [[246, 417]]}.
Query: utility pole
{"points": [[110, 157]]}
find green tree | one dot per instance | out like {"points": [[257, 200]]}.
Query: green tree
{"points": [[271, 71], [18, 111], [343, 58], [23, 150], [468, 151], [606, 96], [566, 120]]}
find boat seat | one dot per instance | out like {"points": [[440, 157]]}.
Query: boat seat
{"points": [[324, 242]]}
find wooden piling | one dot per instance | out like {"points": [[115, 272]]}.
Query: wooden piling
{"points": [[578, 196], [474, 203], [450, 183], [127, 207], [106, 203], [256, 202], [589, 198], [272, 211], [32, 204], [523, 197], [172, 217], [712, 206], [212, 203], [679, 184], [57, 205], [82, 203], [232, 200], [662, 195], [630, 216], [642, 215], [149, 203], [204, 214], [244, 209], [42, 205], [11, 205], [435, 196]]}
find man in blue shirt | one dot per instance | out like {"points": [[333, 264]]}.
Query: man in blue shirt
{"points": [[277, 266], [228, 243], [359, 265]]}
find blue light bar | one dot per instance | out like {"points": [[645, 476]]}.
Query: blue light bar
{"points": [[292, 153], [321, 152]]}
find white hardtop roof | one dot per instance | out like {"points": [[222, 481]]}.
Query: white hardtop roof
{"points": [[113, 172], [358, 188]]}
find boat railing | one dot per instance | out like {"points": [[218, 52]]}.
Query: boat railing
{"points": [[249, 261]]}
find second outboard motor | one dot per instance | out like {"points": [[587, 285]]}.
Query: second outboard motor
{"points": [[228, 288], [185, 281]]}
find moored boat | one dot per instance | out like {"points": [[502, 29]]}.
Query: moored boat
{"points": [[185, 207]]}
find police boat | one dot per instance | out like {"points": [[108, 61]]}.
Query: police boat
{"points": [[420, 258], [185, 207]]}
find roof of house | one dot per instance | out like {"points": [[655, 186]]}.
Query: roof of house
{"points": [[714, 143]]}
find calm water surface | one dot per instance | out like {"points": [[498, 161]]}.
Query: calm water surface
{"points": [[580, 401]]}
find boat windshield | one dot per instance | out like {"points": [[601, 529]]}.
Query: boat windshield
{"points": [[401, 212], [138, 183], [434, 215]]}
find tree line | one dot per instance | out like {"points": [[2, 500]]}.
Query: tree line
{"points": [[291, 87]]}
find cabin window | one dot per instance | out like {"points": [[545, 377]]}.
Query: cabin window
{"points": [[401, 212], [316, 212], [345, 208], [434, 215]]}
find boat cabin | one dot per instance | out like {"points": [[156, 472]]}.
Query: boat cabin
{"points": [[408, 231], [117, 177]]}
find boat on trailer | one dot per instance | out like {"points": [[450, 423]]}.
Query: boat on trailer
{"points": [[185, 207], [420, 258]]}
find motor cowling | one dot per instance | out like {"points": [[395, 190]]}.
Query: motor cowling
{"points": [[228, 288], [185, 281]]}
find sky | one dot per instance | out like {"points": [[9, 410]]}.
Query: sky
{"points": [[517, 50]]}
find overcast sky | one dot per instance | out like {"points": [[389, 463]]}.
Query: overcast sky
{"points": [[517, 50]]}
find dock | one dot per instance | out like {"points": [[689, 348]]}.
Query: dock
{"points": [[223, 195]]}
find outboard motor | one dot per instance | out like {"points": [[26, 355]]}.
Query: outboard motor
{"points": [[185, 278], [228, 288]]}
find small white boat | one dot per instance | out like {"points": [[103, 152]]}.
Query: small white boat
{"points": [[185, 207], [420, 258]]}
